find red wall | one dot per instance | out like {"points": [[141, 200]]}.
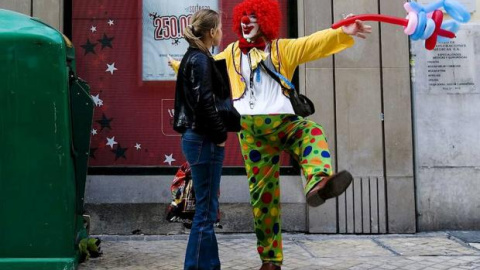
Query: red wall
{"points": [[138, 110]]}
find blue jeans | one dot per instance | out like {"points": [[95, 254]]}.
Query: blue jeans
{"points": [[206, 160]]}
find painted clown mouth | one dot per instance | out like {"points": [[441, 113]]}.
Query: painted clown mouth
{"points": [[247, 29]]}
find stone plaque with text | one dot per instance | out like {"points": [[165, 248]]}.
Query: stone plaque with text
{"points": [[451, 67]]}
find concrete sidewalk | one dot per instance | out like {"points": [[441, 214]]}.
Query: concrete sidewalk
{"points": [[238, 251]]}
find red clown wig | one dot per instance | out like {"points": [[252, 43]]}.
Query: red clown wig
{"points": [[267, 13]]}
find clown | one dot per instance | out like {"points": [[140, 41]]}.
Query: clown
{"points": [[269, 124]]}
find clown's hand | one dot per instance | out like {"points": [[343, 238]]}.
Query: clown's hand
{"points": [[173, 63], [358, 28], [171, 60]]}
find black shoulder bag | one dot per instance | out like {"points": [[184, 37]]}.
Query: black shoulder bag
{"points": [[302, 106]]}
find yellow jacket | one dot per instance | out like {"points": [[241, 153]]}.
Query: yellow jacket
{"points": [[286, 54]]}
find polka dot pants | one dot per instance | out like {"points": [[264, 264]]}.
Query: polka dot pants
{"points": [[262, 139]]}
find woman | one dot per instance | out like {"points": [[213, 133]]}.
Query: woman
{"points": [[204, 134]]}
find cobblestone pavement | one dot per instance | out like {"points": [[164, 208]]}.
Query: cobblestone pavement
{"points": [[433, 251]]}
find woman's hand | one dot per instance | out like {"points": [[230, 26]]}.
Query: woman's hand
{"points": [[221, 144], [358, 29]]}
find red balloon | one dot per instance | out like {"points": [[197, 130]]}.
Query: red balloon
{"points": [[371, 17], [431, 42], [446, 33], [386, 19]]}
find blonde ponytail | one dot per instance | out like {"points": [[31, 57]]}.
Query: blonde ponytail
{"points": [[200, 25]]}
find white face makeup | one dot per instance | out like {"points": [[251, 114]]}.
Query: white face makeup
{"points": [[249, 27]]}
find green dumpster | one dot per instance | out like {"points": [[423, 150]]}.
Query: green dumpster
{"points": [[45, 122]]}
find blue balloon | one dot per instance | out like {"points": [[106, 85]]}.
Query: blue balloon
{"points": [[422, 23], [434, 6], [429, 29], [416, 6], [457, 11]]}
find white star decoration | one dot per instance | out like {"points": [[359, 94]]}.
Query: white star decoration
{"points": [[111, 142], [93, 29], [111, 68], [94, 131], [110, 22], [138, 146], [97, 100], [169, 159]]}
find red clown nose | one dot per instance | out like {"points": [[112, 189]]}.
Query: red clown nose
{"points": [[245, 20]]}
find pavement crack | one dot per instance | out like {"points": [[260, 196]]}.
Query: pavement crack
{"points": [[302, 246], [461, 242], [381, 244]]}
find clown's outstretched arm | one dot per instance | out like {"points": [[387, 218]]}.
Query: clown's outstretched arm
{"points": [[175, 64], [221, 55], [321, 44]]}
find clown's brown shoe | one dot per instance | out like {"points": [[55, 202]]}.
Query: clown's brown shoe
{"points": [[328, 188], [270, 266]]}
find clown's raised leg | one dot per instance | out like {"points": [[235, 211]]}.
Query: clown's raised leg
{"points": [[262, 142]]}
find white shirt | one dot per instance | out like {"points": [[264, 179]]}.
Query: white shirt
{"points": [[266, 96]]}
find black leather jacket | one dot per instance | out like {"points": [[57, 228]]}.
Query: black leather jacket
{"points": [[194, 99]]}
